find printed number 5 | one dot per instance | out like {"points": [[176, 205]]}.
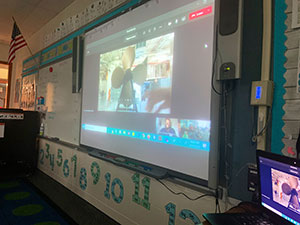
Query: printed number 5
{"points": [[59, 157]]}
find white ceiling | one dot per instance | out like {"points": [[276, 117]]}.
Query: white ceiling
{"points": [[30, 15]]}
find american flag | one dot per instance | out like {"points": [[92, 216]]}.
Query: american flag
{"points": [[17, 42]]}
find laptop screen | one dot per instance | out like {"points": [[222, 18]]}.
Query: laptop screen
{"points": [[280, 188]]}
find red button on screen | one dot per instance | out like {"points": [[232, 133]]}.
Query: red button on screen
{"points": [[201, 12]]}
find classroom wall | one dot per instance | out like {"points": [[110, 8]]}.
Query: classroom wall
{"points": [[241, 116], [182, 208], [244, 150], [35, 42], [4, 52], [291, 107]]}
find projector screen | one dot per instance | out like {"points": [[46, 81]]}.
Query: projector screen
{"points": [[147, 85]]}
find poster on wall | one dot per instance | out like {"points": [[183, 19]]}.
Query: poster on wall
{"points": [[296, 14], [28, 92], [17, 91], [3, 87]]}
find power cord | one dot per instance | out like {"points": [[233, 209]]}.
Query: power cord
{"points": [[217, 209], [227, 143], [183, 194], [262, 131]]}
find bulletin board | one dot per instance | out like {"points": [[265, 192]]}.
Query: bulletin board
{"points": [[286, 67], [28, 91], [59, 106]]}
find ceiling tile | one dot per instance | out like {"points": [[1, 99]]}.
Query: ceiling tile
{"points": [[30, 15]]}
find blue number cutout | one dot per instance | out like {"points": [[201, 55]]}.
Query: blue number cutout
{"points": [[74, 160], [59, 156], [106, 192], [95, 175], [66, 169], [188, 214], [83, 180], [47, 150], [121, 196], [51, 161], [136, 180], [171, 210], [145, 201], [42, 156]]}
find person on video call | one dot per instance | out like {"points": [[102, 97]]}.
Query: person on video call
{"points": [[168, 130]]}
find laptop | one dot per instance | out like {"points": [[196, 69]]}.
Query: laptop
{"points": [[279, 191]]}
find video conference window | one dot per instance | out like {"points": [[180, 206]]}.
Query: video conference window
{"points": [[286, 190], [188, 129], [130, 75]]}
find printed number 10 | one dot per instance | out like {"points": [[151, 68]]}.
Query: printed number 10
{"points": [[135, 197]]}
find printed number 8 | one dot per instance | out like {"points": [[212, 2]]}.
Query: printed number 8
{"points": [[83, 180]]}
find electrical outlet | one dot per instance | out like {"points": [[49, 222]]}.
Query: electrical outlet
{"points": [[252, 177]]}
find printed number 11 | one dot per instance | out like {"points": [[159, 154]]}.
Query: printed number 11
{"points": [[135, 197]]}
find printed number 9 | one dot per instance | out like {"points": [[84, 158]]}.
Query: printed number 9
{"points": [[96, 175]]}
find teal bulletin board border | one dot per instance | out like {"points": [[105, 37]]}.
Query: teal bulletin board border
{"points": [[93, 24], [30, 59], [29, 74], [56, 58], [83, 30], [279, 80]]}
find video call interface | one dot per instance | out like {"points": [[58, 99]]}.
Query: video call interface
{"points": [[280, 187], [150, 82]]}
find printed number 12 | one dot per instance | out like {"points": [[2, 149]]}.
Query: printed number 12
{"points": [[184, 214]]}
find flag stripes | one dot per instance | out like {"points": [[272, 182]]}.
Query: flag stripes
{"points": [[17, 42]]}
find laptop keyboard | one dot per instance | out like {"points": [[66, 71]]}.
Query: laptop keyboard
{"points": [[252, 220]]}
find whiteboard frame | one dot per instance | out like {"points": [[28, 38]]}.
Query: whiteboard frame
{"points": [[213, 176]]}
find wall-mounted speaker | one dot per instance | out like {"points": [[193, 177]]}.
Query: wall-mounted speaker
{"points": [[229, 39]]}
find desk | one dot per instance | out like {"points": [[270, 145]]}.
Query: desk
{"points": [[243, 207]]}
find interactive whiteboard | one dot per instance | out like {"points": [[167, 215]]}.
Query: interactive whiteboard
{"points": [[146, 91]]}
